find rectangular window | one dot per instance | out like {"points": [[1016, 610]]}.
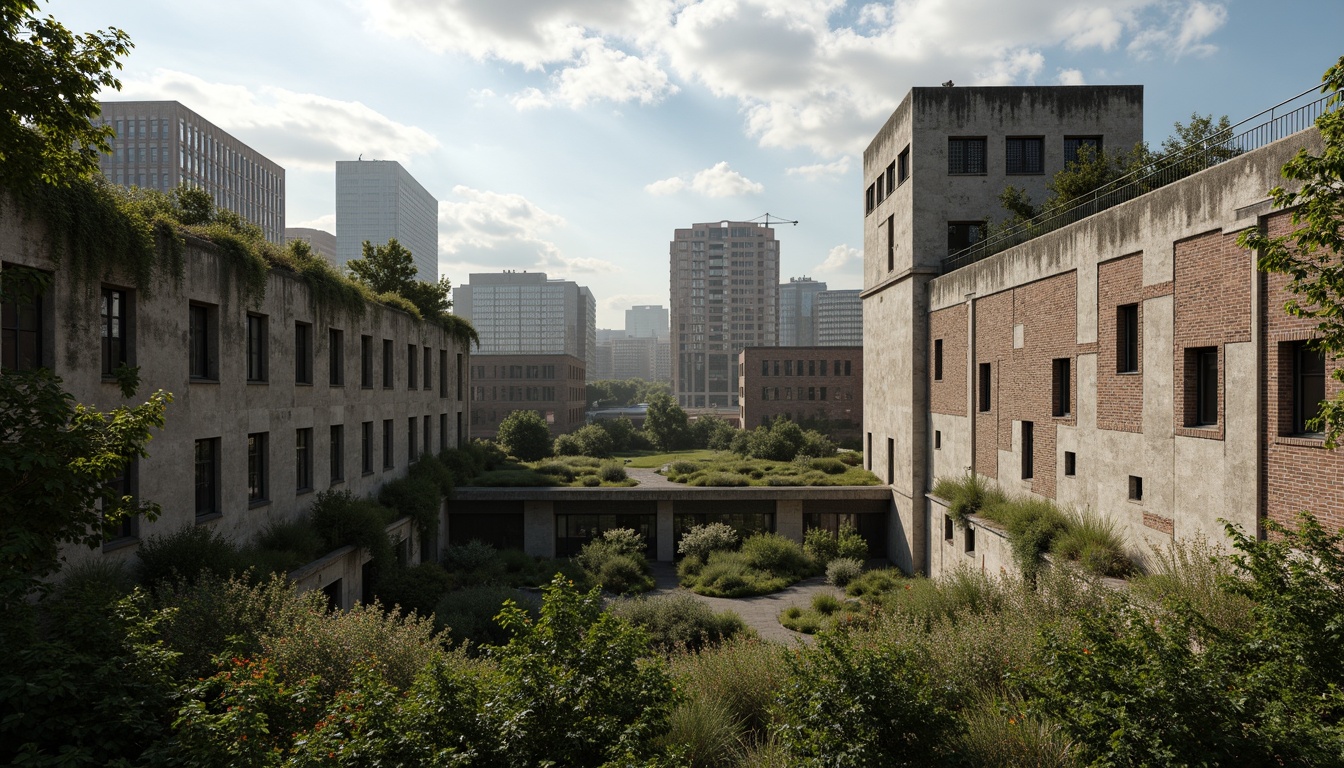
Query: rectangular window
{"points": [[366, 362], [113, 326], [903, 166], [410, 439], [387, 444], [948, 527], [387, 363], [891, 461], [966, 156], [1205, 370], [1308, 386], [870, 200], [201, 343], [303, 459], [937, 359], [1127, 338], [303, 353], [881, 193], [891, 177], [1135, 488], [1061, 386], [458, 372], [1070, 464], [847, 368], [1025, 155], [1028, 450], [891, 242], [207, 477], [424, 441], [122, 486], [366, 447], [412, 352], [765, 367], [1074, 143], [336, 357], [937, 439], [428, 369], [443, 432], [336, 448], [970, 540], [811, 367], [258, 459], [788, 367], [963, 234], [868, 454], [256, 348], [985, 380]]}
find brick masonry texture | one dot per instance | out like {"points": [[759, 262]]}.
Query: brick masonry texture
{"points": [[789, 394], [1299, 474], [948, 395], [1212, 297], [1159, 523], [1119, 395], [1022, 379]]}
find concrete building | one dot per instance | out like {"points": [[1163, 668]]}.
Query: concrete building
{"points": [[839, 319], [725, 296], [551, 385], [1133, 364], [817, 387], [646, 321], [275, 397], [162, 145], [797, 311], [378, 200], [638, 358], [322, 242]]}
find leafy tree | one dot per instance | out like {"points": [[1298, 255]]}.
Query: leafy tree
{"points": [[1311, 254], [713, 432], [616, 393], [57, 460], [525, 436], [49, 83], [666, 423], [384, 268]]}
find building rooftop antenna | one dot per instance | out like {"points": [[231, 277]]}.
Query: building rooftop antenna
{"points": [[768, 218]]}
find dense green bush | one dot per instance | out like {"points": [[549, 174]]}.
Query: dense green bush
{"points": [[829, 465], [186, 553], [341, 520], [468, 614], [701, 540], [612, 473], [843, 570], [562, 472], [678, 621], [778, 555], [817, 445], [823, 546], [525, 436], [416, 496], [766, 563], [414, 589], [616, 561]]}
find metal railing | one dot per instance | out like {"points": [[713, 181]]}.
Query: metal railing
{"points": [[1265, 127]]}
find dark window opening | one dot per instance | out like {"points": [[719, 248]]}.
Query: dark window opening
{"points": [[113, 326], [1073, 143], [257, 470], [970, 540], [207, 477], [1308, 387], [387, 444], [198, 320], [1127, 338], [966, 156], [1061, 384], [303, 353], [1070, 463], [366, 447], [1028, 450], [963, 234], [256, 348], [21, 334], [387, 364], [303, 459], [337, 453], [891, 243], [948, 528], [336, 357], [984, 387], [903, 166], [1206, 386], [366, 362], [937, 359], [937, 439], [1135, 488], [1025, 155]]}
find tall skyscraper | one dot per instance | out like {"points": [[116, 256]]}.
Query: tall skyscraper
{"points": [[797, 315], [645, 321], [377, 200], [838, 319], [162, 144], [519, 313], [725, 296]]}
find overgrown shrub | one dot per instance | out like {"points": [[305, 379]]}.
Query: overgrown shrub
{"points": [[567, 445], [1094, 542], [743, 674], [843, 570], [824, 546], [594, 441], [700, 540], [418, 496], [185, 554], [719, 480], [468, 615], [851, 458], [830, 465], [617, 562], [472, 557], [343, 520], [778, 555], [682, 467], [612, 473], [415, 589], [678, 621], [525, 436], [557, 470], [816, 445]]}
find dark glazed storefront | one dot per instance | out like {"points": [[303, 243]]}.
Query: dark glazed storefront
{"points": [[579, 522], [497, 523], [867, 517]]}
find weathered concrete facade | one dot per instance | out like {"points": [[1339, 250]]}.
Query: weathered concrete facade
{"points": [[274, 398], [814, 386]]}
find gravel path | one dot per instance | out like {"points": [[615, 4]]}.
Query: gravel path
{"points": [[762, 612]]}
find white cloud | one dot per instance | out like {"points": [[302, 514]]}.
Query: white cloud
{"points": [[297, 130], [820, 170], [669, 186], [1184, 33], [495, 229], [839, 258], [1070, 77], [326, 223]]}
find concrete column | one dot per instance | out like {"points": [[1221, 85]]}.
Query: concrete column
{"points": [[789, 519], [666, 532], [539, 528]]}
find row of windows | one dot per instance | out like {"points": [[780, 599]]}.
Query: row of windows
{"points": [[811, 393], [813, 368], [1022, 154], [259, 456], [895, 174]]}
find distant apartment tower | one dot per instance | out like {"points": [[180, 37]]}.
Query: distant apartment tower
{"points": [[646, 320], [797, 311], [322, 242], [838, 319], [377, 200], [521, 313], [162, 145], [725, 296]]}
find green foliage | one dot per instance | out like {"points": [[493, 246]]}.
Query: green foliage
{"points": [[52, 82], [525, 436], [666, 423], [843, 570], [678, 621], [622, 433], [594, 440], [414, 589], [766, 563], [701, 540], [823, 546], [1094, 543], [612, 393], [56, 461], [818, 446], [743, 674], [612, 473], [616, 562], [467, 615], [386, 268], [186, 554], [862, 705], [1312, 255], [712, 432], [778, 555], [574, 686], [417, 496], [343, 520]]}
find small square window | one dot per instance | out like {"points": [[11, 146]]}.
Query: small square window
{"points": [[966, 156], [1070, 464], [1135, 488], [1025, 155]]}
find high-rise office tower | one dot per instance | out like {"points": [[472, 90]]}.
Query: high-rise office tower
{"points": [[725, 296], [646, 320], [838, 319], [377, 200], [162, 144], [797, 313]]}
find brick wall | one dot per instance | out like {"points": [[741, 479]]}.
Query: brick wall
{"points": [[1212, 297], [1299, 474], [1119, 395], [799, 395], [948, 395], [1023, 377]]}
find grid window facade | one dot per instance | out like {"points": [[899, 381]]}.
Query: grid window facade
{"points": [[966, 155], [1025, 155]]}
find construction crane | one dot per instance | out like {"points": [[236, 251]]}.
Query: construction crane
{"points": [[776, 220]]}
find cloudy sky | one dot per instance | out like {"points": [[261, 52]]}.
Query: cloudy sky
{"points": [[573, 136]]}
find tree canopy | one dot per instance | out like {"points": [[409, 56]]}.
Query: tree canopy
{"points": [[525, 436]]}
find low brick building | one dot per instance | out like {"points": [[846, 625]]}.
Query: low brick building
{"points": [[817, 387], [551, 385]]}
